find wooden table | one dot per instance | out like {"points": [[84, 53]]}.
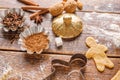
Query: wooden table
{"points": [[101, 19]]}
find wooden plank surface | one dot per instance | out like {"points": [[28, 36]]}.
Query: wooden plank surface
{"points": [[39, 69], [104, 27], [101, 19], [89, 5]]}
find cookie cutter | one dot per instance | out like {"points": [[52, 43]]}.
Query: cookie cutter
{"points": [[77, 59]]}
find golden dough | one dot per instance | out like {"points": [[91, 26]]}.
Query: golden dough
{"points": [[79, 5], [70, 6], [56, 9], [117, 76], [97, 52]]}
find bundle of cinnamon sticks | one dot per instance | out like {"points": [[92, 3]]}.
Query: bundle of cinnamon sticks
{"points": [[31, 5], [68, 5]]}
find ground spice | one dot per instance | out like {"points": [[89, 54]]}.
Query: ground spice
{"points": [[36, 42]]}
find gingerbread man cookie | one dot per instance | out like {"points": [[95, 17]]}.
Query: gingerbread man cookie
{"points": [[97, 52]]}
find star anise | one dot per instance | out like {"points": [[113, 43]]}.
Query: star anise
{"points": [[13, 23], [38, 19]]}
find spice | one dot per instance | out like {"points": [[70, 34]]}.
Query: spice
{"points": [[32, 16], [37, 16], [68, 5], [29, 2], [15, 35], [12, 21], [38, 19], [34, 6], [36, 42]]}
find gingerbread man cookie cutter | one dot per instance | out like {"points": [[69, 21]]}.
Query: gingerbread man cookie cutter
{"points": [[75, 66], [97, 52]]}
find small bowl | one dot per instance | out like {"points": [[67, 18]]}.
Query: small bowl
{"points": [[18, 11], [33, 31]]}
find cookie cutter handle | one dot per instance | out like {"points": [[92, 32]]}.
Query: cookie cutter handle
{"points": [[81, 76]]}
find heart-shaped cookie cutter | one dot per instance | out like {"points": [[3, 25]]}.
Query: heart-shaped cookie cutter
{"points": [[79, 58]]}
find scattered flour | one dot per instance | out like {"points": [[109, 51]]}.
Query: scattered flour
{"points": [[109, 31], [87, 16], [114, 36], [110, 5], [108, 16], [5, 68], [1, 25], [32, 74], [42, 68], [114, 27]]}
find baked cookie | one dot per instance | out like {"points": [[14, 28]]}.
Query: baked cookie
{"points": [[97, 52]]}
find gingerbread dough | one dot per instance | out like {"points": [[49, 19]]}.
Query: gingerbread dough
{"points": [[117, 76], [70, 6], [97, 52], [56, 9]]}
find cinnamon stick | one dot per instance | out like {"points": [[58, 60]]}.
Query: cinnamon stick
{"points": [[38, 13], [33, 8], [1, 7], [29, 2]]}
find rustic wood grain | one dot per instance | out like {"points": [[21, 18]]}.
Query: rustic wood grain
{"points": [[97, 25], [89, 5], [104, 27], [38, 69]]}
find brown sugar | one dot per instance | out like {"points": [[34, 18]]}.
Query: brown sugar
{"points": [[36, 42]]}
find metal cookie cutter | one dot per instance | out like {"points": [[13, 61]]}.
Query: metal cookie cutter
{"points": [[72, 69]]}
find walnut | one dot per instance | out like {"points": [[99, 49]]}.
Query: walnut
{"points": [[70, 6], [56, 9], [79, 5]]}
